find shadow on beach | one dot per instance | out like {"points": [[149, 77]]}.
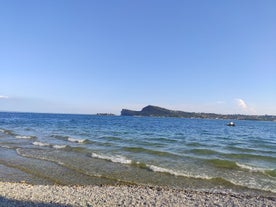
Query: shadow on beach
{"points": [[5, 202]]}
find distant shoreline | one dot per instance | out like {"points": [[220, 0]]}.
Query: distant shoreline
{"points": [[169, 113], [156, 111]]}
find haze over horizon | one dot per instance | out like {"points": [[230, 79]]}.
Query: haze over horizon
{"points": [[101, 56]]}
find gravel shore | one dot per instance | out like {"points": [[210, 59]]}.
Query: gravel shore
{"points": [[21, 194]]}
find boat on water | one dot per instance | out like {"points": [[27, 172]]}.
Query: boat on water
{"points": [[231, 124]]}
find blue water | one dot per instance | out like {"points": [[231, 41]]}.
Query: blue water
{"points": [[86, 149]]}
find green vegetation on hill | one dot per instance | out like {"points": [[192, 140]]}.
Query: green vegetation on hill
{"points": [[162, 112]]}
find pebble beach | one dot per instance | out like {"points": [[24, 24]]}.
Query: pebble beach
{"points": [[22, 194]]}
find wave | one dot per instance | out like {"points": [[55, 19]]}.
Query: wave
{"points": [[22, 152], [6, 131], [24, 137], [6, 147], [111, 138], [70, 139], [164, 139], [10, 132], [56, 146], [251, 156], [269, 172], [195, 144], [250, 168], [227, 164], [60, 137], [236, 165], [250, 150], [218, 180], [115, 158], [204, 151], [41, 144], [149, 151], [155, 168]]}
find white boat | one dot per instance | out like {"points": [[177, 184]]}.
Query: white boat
{"points": [[231, 123]]}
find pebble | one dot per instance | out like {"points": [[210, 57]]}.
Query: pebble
{"points": [[21, 194]]}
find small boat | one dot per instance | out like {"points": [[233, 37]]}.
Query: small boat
{"points": [[231, 124]]}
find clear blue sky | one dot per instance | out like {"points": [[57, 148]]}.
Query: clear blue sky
{"points": [[101, 56]]}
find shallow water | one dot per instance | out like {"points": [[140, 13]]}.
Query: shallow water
{"points": [[86, 149]]}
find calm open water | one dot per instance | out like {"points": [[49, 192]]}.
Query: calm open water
{"points": [[86, 149]]}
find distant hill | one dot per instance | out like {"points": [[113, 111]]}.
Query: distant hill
{"points": [[162, 112]]}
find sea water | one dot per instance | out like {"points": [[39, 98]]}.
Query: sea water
{"points": [[174, 152]]}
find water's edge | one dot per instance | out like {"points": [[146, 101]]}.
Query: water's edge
{"points": [[178, 153]]}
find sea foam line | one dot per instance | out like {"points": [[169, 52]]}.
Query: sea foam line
{"points": [[59, 146], [41, 144], [5, 131], [266, 171], [24, 137], [70, 139], [250, 168], [115, 158], [154, 168]]}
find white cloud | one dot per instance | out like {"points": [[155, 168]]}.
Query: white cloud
{"points": [[241, 103], [4, 97], [244, 106]]}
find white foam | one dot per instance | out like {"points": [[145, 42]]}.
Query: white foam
{"points": [[251, 168], [41, 144], [6, 146], [155, 168], [2, 130], [23, 137], [160, 169], [76, 140], [59, 146], [116, 158]]}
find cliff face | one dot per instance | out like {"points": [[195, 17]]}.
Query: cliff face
{"points": [[126, 112]]}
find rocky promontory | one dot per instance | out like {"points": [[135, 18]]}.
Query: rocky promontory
{"points": [[157, 111]]}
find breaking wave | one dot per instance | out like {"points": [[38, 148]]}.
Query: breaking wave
{"points": [[8, 132], [41, 144], [56, 146], [155, 168], [24, 137], [115, 158], [70, 139], [269, 172]]}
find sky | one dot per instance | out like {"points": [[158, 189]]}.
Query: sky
{"points": [[78, 56]]}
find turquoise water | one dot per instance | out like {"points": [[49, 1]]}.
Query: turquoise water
{"points": [[86, 149]]}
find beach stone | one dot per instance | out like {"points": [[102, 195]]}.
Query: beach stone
{"points": [[21, 194]]}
